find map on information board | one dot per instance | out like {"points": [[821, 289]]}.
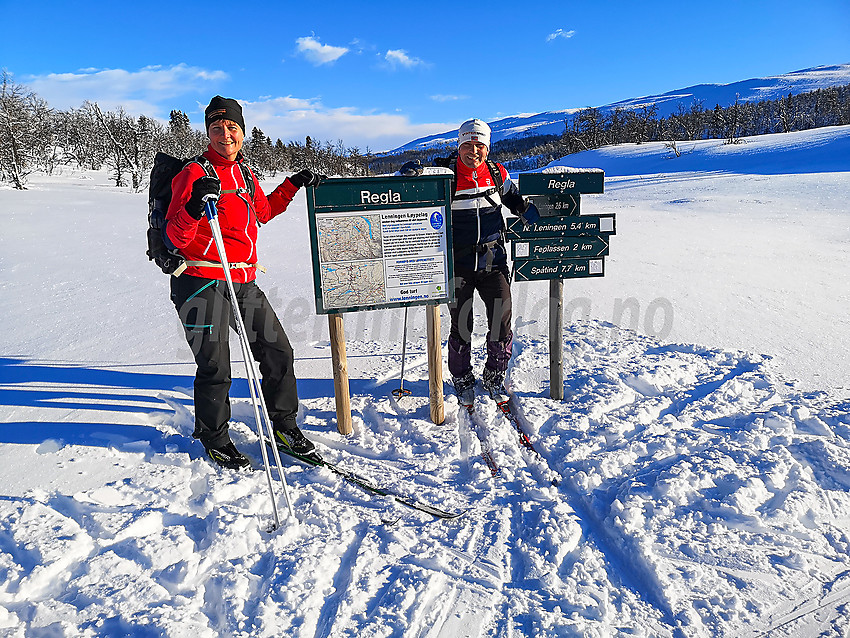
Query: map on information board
{"points": [[359, 283], [380, 242], [352, 238]]}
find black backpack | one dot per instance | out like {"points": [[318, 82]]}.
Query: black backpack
{"points": [[165, 168]]}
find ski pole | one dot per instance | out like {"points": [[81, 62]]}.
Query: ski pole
{"points": [[257, 399], [400, 392]]}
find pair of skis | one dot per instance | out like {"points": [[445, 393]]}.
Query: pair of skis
{"points": [[315, 460], [503, 404]]}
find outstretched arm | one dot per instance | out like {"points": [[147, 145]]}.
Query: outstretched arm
{"points": [[279, 199], [520, 206]]}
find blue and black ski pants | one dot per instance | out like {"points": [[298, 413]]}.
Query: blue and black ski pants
{"points": [[494, 288]]}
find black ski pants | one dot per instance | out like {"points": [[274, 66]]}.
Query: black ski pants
{"points": [[494, 288], [204, 309]]}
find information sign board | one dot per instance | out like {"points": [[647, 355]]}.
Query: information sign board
{"points": [[380, 242]]}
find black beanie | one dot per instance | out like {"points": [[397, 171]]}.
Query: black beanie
{"points": [[223, 108]]}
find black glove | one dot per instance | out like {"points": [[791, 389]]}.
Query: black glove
{"points": [[521, 206], [530, 215], [413, 168], [306, 177], [446, 162], [204, 188]]}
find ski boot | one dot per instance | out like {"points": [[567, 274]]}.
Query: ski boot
{"points": [[228, 457], [465, 390], [494, 382], [290, 437]]}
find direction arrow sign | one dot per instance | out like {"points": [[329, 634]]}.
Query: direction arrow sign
{"points": [[592, 181], [534, 269], [559, 248], [557, 205], [562, 227]]}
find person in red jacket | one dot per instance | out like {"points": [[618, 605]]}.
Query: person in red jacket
{"points": [[200, 293]]}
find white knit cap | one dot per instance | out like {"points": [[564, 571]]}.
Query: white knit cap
{"points": [[474, 130]]}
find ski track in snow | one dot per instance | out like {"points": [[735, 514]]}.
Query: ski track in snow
{"points": [[654, 445], [700, 494]]}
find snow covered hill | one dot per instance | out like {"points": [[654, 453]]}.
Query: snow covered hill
{"points": [[769, 88], [702, 448]]}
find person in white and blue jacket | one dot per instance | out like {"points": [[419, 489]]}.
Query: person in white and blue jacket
{"points": [[481, 188]]}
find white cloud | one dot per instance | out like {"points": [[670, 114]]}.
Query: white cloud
{"points": [[448, 98], [289, 118], [155, 91], [359, 47], [136, 91], [560, 33], [319, 53], [399, 57]]}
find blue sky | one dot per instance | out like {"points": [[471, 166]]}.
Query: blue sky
{"points": [[379, 74]]}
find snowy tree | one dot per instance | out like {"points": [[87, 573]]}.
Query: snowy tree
{"points": [[617, 126], [131, 143], [180, 139], [25, 131], [77, 134], [733, 123], [259, 152], [592, 125], [690, 121], [281, 156]]}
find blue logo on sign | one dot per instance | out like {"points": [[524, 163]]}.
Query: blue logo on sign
{"points": [[436, 220]]}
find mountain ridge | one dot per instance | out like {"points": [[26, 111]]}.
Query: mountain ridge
{"points": [[752, 89]]}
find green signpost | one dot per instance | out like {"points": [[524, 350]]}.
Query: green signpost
{"points": [[563, 244], [381, 242], [559, 269], [571, 226]]}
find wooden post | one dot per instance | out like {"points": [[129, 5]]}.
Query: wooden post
{"points": [[556, 340], [435, 363], [340, 366]]}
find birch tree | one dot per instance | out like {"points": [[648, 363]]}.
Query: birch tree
{"points": [[24, 131]]}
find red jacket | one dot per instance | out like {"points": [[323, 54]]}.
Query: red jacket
{"points": [[237, 215]]}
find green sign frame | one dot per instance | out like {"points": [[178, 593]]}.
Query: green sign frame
{"points": [[380, 242]]}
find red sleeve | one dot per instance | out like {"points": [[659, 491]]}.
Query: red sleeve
{"points": [[182, 227], [277, 201]]}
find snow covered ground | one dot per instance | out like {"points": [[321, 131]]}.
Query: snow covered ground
{"points": [[703, 445]]}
